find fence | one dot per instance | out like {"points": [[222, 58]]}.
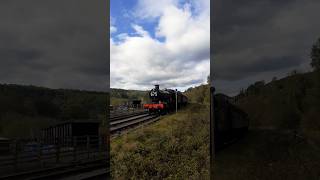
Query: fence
{"points": [[26, 154], [117, 109]]}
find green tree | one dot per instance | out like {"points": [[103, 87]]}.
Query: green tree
{"points": [[315, 55]]}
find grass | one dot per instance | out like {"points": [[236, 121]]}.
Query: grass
{"points": [[269, 154], [175, 147]]}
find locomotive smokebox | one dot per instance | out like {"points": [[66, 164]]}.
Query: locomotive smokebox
{"points": [[156, 86]]}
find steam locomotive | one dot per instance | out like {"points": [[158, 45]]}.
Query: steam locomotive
{"points": [[163, 101], [231, 123]]}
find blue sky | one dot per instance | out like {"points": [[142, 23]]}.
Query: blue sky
{"points": [[122, 16], [159, 42]]}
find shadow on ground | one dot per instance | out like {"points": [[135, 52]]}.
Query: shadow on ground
{"points": [[269, 154]]}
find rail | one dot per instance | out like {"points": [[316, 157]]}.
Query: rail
{"points": [[120, 125], [126, 115]]}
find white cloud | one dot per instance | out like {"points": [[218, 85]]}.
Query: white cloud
{"points": [[139, 30], [182, 60], [113, 29], [151, 9]]}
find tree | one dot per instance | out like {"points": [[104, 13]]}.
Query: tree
{"points": [[315, 55], [274, 79], [293, 72], [256, 87]]}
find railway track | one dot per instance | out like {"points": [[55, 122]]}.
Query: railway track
{"points": [[84, 170], [126, 115], [120, 124]]}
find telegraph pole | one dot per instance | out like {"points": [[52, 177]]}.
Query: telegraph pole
{"points": [[212, 129], [176, 101]]}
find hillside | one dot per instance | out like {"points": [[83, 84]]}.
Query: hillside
{"points": [[199, 94], [121, 96], [26, 109], [283, 141], [291, 103]]}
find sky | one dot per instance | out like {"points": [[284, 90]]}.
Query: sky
{"points": [[63, 43], [55, 44], [258, 40], [165, 42]]}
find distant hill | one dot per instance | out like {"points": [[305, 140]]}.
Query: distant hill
{"points": [[122, 96], [26, 109], [199, 94], [289, 103]]}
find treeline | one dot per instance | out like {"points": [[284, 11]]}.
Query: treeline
{"points": [[289, 103], [121, 96], [25, 109], [199, 94], [306, 80], [61, 104]]}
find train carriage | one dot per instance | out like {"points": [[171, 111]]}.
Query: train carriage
{"points": [[231, 123]]}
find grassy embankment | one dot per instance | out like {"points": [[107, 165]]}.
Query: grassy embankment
{"points": [[284, 137], [175, 147]]}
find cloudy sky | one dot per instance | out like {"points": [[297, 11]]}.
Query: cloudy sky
{"points": [[164, 42], [257, 40], [56, 44], [62, 43]]}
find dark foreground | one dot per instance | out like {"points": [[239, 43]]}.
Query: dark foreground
{"points": [[269, 154]]}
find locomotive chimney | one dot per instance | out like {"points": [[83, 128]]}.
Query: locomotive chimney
{"points": [[156, 86]]}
